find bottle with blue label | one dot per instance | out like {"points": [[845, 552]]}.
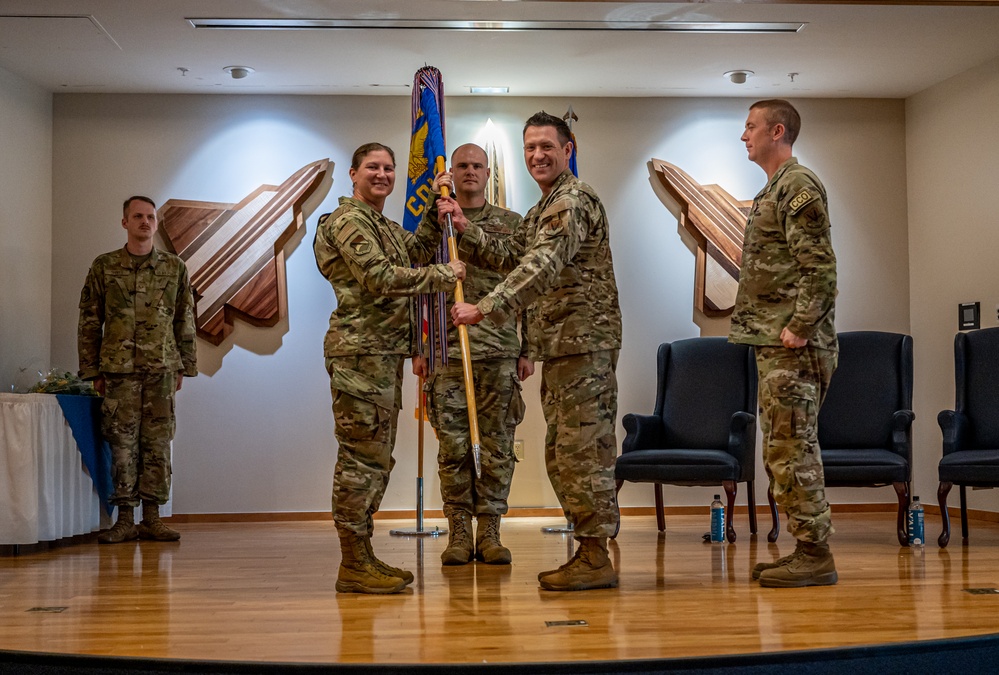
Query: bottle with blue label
{"points": [[717, 520], [915, 525]]}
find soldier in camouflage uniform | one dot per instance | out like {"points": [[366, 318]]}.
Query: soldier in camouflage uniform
{"points": [[137, 342], [785, 308], [367, 258], [499, 364], [566, 280]]}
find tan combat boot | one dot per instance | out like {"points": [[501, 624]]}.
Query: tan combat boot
{"points": [[814, 566], [152, 527], [488, 548], [780, 562], [589, 568], [358, 573], [460, 546], [123, 529], [384, 567]]}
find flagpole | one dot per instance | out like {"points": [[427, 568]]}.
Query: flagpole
{"points": [[429, 76], [466, 350], [418, 531]]}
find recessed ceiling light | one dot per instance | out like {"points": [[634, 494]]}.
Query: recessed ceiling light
{"points": [[239, 72], [489, 90], [537, 25], [738, 76]]}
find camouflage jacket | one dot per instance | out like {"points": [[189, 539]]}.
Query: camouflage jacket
{"points": [[486, 340], [137, 319], [368, 259], [565, 277], [788, 275]]}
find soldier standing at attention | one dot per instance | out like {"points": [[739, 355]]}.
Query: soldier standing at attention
{"points": [[367, 258], [785, 308], [566, 280], [136, 341], [499, 364]]}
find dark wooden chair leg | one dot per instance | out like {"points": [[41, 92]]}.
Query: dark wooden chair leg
{"points": [[942, 493], [774, 516], [964, 513], [730, 489], [617, 490], [751, 496], [660, 513], [902, 490]]}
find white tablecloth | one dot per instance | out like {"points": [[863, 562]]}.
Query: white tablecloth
{"points": [[45, 491]]}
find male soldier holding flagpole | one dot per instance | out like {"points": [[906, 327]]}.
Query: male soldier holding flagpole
{"points": [[499, 364], [566, 280]]}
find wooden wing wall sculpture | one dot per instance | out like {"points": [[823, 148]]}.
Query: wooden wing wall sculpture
{"points": [[235, 252], [717, 222]]}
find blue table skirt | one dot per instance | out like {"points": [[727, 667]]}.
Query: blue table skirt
{"points": [[83, 413]]}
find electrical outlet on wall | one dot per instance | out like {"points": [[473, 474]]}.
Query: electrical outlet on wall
{"points": [[518, 450]]}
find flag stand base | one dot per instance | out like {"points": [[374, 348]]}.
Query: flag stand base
{"points": [[418, 531], [558, 529]]}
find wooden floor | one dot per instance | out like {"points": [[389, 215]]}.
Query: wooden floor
{"points": [[264, 592]]}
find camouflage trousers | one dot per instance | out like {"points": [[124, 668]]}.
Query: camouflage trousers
{"points": [[367, 397], [579, 397], [138, 423], [500, 409], [793, 384]]}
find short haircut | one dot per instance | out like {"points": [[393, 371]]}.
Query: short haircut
{"points": [[543, 119], [470, 145], [365, 150], [128, 202], [779, 111]]}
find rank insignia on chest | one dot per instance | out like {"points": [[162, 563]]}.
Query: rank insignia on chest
{"points": [[800, 200], [360, 245]]}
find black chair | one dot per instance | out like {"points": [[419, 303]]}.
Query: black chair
{"points": [[971, 430], [865, 424], [703, 429]]}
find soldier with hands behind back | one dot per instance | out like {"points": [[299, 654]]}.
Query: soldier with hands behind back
{"points": [[785, 309], [137, 342]]}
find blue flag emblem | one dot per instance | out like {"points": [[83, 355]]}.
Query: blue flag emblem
{"points": [[426, 145]]}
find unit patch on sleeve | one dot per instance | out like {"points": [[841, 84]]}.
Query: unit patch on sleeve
{"points": [[800, 200], [360, 246]]}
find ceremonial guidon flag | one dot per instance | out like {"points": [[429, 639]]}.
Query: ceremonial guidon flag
{"points": [[572, 157], [426, 145], [569, 118]]}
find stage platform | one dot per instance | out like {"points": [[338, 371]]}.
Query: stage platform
{"points": [[262, 592]]}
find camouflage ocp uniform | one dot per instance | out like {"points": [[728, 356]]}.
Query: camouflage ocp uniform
{"points": [[566, 280], [137, 330], [494, 350], [367, 258], [788, 278]]}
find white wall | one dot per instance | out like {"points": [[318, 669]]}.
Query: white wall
{"points": [[952, 146], [25, 231], [255, 430]]}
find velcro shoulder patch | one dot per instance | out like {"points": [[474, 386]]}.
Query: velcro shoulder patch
{"points": [[343, 229], [557, 207], [360, 246], [804, 197], [554, 220], [351, 240]]}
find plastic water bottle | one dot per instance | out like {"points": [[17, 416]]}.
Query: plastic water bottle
{"points": [[917, 535], [717, 520]]}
